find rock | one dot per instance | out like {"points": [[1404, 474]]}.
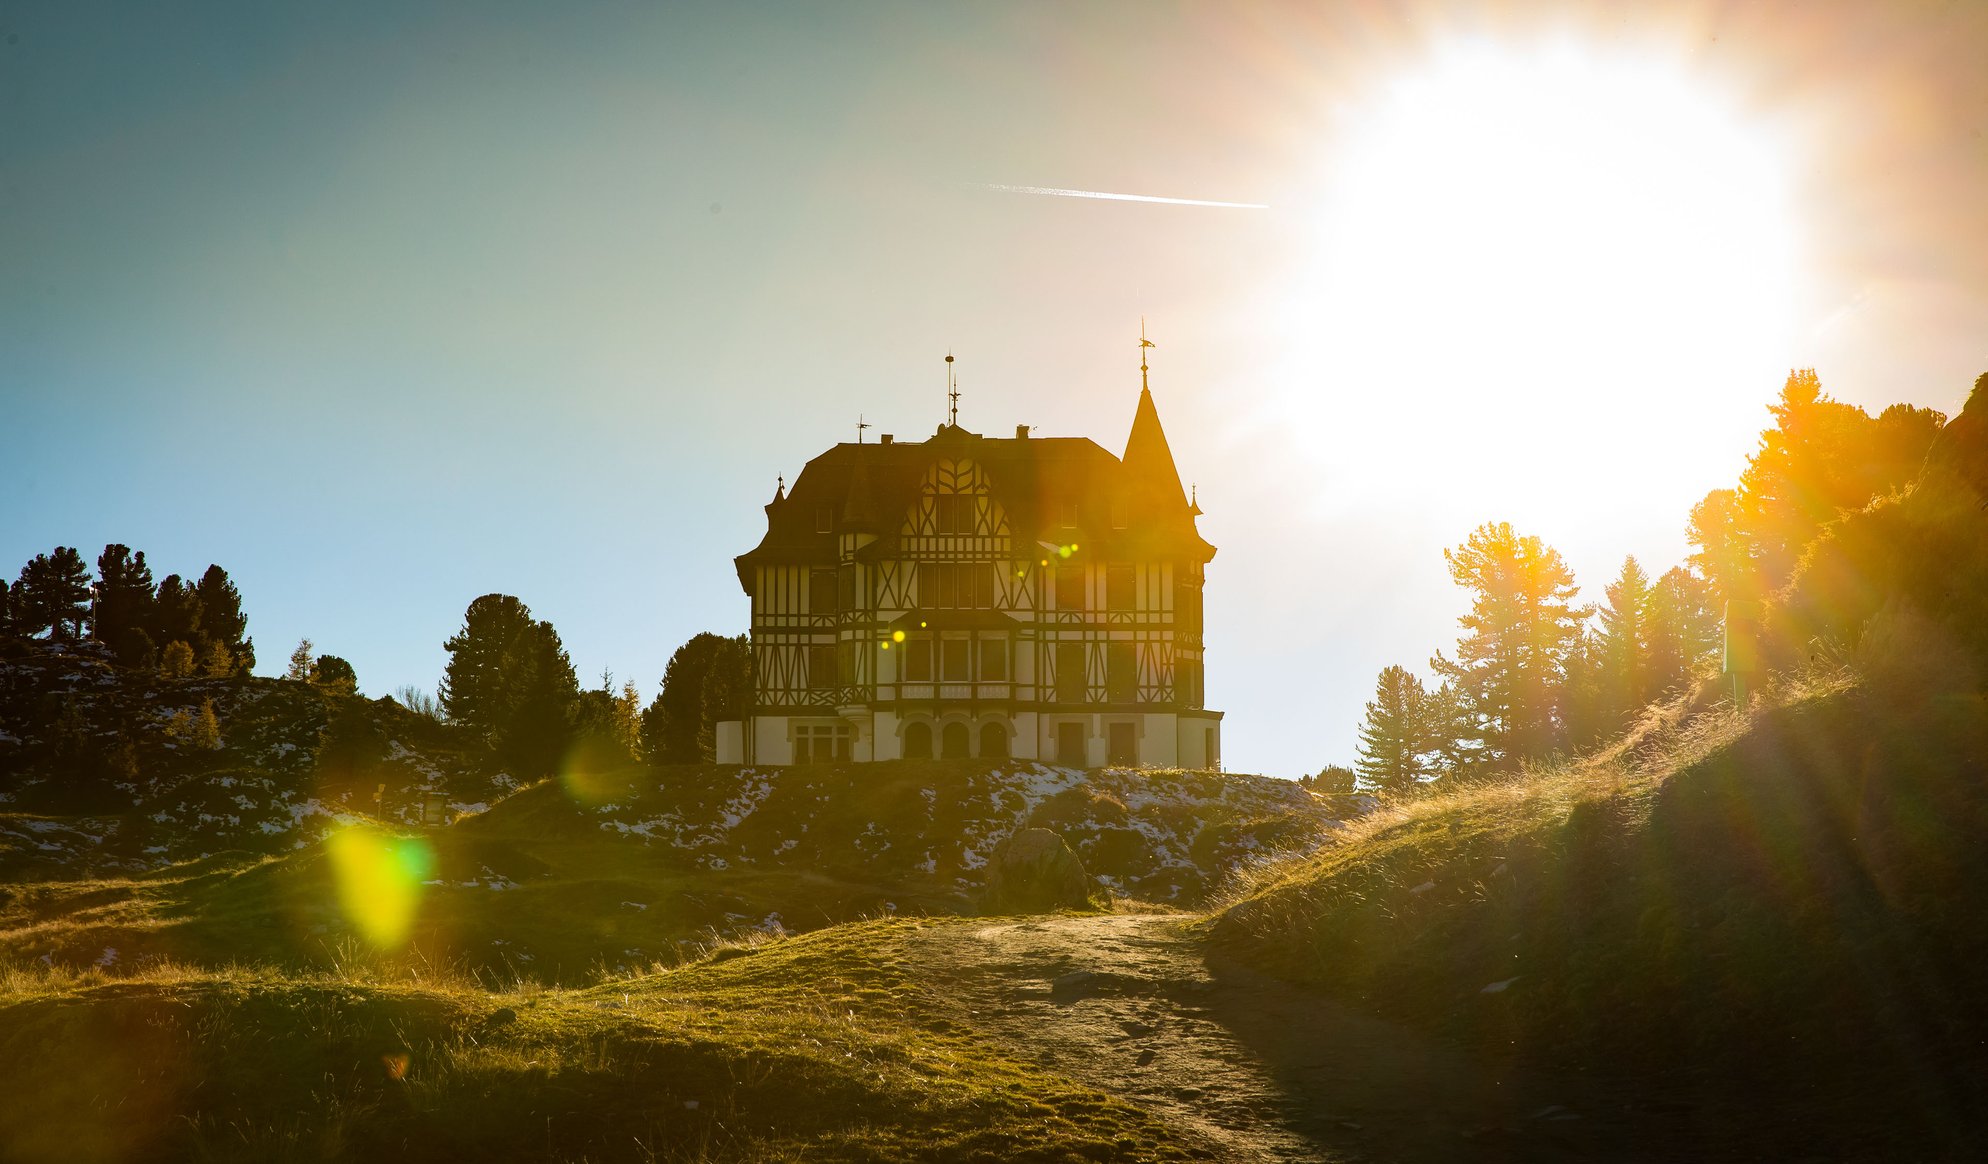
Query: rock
{"points": [[1034, 871]]}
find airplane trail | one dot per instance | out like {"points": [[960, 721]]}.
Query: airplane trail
{"points": [[1060, 192]]}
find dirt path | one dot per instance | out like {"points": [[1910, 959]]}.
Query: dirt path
{"points": [[1252, 1067]]}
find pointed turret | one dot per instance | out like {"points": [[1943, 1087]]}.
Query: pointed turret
{"points": [[1149, 466]]}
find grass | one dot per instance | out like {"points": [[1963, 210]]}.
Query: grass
{"points": [[818, 1047], [1785, 905]]}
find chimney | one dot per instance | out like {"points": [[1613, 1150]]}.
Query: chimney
{"points": [[887, 438], [1021, 432]]}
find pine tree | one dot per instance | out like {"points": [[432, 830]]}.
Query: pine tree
{"points": [[176, 616], [6, 609], [221, 617], [1624, 646], [1511, 663], [53, 595], [335, 675], [475, 691], [299, 670], [541, 694], [1396, 737], [121, 610], [727, 686], [674, 722], [1683, 627]]}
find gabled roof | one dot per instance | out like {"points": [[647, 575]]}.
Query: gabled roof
{"points": [[871, 488]]}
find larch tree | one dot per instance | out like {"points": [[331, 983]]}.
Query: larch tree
{"points": [[299, 670], [1511, 661]]}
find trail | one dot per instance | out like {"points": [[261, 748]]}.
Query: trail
{"points": [[1252, 1067]]}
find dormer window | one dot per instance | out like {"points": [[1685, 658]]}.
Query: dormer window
{"points": [[1120, 516], [1067, 515], [825, 519]]}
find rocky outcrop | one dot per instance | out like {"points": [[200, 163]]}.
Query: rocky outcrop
{"points": [[1033, 872]]}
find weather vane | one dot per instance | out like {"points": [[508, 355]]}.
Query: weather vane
{"points": [[1144, 343], [860, 426]]}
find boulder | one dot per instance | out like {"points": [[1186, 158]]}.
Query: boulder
{"points": [[1034, 871]]}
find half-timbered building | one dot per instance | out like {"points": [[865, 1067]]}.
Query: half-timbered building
{"points": [[975, 596]]}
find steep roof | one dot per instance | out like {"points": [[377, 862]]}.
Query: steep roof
{"points": [[872, 487]]}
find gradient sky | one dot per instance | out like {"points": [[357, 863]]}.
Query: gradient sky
{"points": [[386, 307]]}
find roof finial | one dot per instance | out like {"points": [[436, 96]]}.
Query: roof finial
{"points": [[860, 426], [1144, 343], [952, 392]]}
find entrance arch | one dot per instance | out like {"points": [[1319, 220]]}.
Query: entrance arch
{"points": [[993, 741], [954, 741], [918, 741]]}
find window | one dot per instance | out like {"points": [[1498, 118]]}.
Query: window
{"points": [[825, 519], [993, 660], [993, 741], [845, 588], [956, 585], [1208, 748], [1070, 744], [1066, 515], [1187, 605], [1121, 672], [1123, 745], [1069, 587], [918, 741], [917, 660], [954, 512], [821, 665], [1121, 590], [821, 743], [953, 663], [821, 591], [1071, 686], [1120, 514], [845, 662], [953, 741], [1187, 682]]}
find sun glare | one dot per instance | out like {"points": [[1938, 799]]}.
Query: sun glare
{"points": [[1556, 250]]}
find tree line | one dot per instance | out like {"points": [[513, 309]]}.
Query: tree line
{"points": [[1536, 672], [182, 628]]}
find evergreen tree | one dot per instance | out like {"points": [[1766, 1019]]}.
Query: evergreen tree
{"points": [[53, 595], [299, 670], [221, 617], [352, 750], [1624, 647], [541, 693], [6, 609], [1333, 780], [475, 692], [1511, 663], [335, 675], [176, 616], [628, 720], [1683, 628], [727, 687], [1588, 700], [1397, 737], [121, 610], [674, 723]]}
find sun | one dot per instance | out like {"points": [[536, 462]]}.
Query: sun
{"points": [[1549, 249]]}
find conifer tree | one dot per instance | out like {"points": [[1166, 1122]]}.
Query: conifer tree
{"points": [[221, 617], [1511, 663], [217, 663], [474, 690], [299, 670], [1624, 646], [727, 686], [1683, 628], [542, 692], [121, 608], [334, 675], [176, 662], [674, 723], [176, 615], [1397, 738], [53, 595], [6, 609], [207, 729]]}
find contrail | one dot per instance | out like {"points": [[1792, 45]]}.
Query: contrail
{"points": [[1059, 192]]}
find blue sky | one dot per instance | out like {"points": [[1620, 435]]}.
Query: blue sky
{"points": [[386, 307]]}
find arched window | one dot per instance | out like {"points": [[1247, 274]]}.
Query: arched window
{"points": [[953, 741], [993, 742], [918, 741]]}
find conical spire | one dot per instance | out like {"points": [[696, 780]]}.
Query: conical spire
{"points": [[1149, 466]]}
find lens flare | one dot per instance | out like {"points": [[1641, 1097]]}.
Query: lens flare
{"points": [[593, 773], [379, 880]]}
